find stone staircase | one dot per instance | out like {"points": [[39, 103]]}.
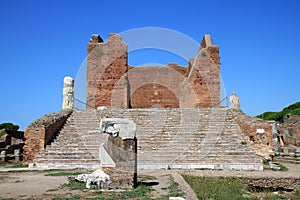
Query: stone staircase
{"points": [[167, 138]]}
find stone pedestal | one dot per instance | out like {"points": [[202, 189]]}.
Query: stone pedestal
{"points": [[121, 146]]}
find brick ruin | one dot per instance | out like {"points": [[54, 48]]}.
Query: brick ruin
{"points": [[177, 134], [289, 134], [40, 132], [111, 82]]}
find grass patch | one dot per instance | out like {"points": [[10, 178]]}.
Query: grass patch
{"points": [[13, 165], [63, 173], [69, 198], [296, 194], [146, 178], [216, 188], [18, 165], [74, 185], [282, 167], [141, 191], [174, 190]]}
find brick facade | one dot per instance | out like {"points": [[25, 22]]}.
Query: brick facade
{"points": [[41, 131], [114, 84]]}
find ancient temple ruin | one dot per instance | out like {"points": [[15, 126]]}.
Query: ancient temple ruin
{"points": [[174, 110]]}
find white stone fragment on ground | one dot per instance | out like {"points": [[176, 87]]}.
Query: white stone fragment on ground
{"points": [[98, 177]]}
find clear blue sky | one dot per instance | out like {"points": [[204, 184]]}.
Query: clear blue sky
{"points": [[43, 41]]}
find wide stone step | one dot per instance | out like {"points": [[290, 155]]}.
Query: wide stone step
{"points": [[178, 137]]}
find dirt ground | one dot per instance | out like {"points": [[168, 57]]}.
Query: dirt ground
{"points": [[35, 185]]}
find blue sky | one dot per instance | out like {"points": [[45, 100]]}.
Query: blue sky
{"points": [[43, 41]]}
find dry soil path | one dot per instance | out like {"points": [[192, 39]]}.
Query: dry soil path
{"points": [[27, 185]]}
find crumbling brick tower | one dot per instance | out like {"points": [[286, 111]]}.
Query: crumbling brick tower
{"points": [[114, 84]]}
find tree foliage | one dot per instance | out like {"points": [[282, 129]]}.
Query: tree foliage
{"points": [[9, 126], [279, 116]]}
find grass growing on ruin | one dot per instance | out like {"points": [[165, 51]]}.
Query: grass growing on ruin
{"points": [[216, 188]]}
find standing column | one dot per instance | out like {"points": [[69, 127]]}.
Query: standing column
{"points": [[68, 93]]}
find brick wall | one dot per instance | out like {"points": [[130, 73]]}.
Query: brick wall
{"points": [[262, 143], [106, 72], [41, 131], [114, 84]]}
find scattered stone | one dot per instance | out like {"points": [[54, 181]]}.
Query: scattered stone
{"points": [[274, 165]]}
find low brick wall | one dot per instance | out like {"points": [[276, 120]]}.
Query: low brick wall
{"points": [[41, 131], [262, 143]]}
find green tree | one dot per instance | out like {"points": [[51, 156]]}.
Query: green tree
{"points": [[9, 126], [279, 116]]}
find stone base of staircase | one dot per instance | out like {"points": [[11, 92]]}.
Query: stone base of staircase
{"points": [[167, 139], [213, 166], [64, 166]]}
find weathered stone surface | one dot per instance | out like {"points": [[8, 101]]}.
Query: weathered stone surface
{"points": [[121, 146], [124, 128], [166, 138]]}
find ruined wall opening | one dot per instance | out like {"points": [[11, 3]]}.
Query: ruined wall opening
{"points": [[153, 96]]}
